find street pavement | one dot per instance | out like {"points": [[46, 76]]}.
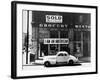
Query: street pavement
{"points": [[41, 66]]}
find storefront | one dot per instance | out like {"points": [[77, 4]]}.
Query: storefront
{"points": [[59, 31]]}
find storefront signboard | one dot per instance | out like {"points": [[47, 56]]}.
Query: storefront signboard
{"points": [[56, 41], [54, 18]]}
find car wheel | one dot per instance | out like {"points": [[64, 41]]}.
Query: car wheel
{"points": [[71, 62], [47, 64]]}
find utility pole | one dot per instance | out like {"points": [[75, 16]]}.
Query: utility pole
{"points": [[27, 37]]}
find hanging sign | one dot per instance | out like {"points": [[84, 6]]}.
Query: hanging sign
{"points": [[54, 19]]}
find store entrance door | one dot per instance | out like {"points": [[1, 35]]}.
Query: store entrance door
{"points": [[43, 50]]}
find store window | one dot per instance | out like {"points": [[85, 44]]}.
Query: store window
{"points": [[86, 35], [54, 34], [43, 33], [53, 49], [63, 34], [86, 45], [78, 49], [64, 47], [78, 41], [77, 35]]}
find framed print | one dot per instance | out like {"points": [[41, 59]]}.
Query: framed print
{"points": [[53, 39]]}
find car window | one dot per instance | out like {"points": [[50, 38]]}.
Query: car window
{"points": [[60, 54], [65, 54]]}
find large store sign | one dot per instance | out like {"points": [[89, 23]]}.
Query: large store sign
{"points": [[54, 18], [54, 25], [56, 41]]}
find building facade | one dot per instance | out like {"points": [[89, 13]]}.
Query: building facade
{"points": [[61, 31]]}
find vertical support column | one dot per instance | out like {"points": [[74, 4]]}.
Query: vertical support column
{"points": [[82, 43], [32, 23], [39, 51], [48, 48], [71, 40], [27, 37], [49, 44], [89, 43], [36, 41], [59, 37], [34, 35], [30, 35], [37, 34], [28, 58]]}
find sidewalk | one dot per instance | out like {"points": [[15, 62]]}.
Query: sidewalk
{"points": [[38, 62], [84, 59]]}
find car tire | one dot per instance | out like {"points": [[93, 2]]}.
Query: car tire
{"points": [[71, 62], [47, 64]]}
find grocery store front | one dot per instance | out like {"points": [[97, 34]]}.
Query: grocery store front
{"points": [[56, 41], [59, 31]]}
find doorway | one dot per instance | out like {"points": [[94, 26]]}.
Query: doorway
{"points": [[43, 50]]}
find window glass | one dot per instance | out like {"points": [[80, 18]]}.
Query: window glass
{"points": [[65, 54], [64, 34], [86, 35], [77, 35], [54, 34], [60, 54]]}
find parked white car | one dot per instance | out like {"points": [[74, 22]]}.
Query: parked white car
{"points": [[60, 57]]}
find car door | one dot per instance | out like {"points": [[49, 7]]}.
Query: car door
{"points": [[65, 57], [60, 57]]}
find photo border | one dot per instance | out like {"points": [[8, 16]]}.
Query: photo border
{"points": [[14, 38]]}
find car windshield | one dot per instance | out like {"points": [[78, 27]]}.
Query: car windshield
{"points": [[60, 54]]}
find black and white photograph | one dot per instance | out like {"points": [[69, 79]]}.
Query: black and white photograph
{"points": [[53, 39]]}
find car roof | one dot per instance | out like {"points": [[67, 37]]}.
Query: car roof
{"points": [[62, 52]]}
